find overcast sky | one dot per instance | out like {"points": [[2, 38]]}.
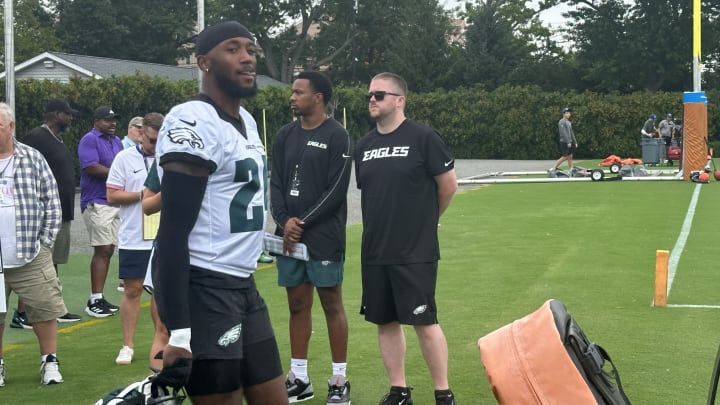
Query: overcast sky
{"points": [[552, 17]]}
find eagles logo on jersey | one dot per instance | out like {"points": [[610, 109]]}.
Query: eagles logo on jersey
{"points": [[182, 135]]}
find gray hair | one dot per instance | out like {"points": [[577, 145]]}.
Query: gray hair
{"points": [[7, 112]]}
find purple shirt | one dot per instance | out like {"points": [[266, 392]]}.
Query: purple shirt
{"points": [[95, 147]]}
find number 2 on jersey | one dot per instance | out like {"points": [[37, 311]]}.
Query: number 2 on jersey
{"points": [[246, 171]]}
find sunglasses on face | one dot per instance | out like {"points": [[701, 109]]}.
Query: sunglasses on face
{"points": [[380, 95]]}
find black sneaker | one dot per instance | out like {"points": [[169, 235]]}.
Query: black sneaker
{"points": [[397, 396], [338, 391], [69, 318], [297, 390], [20, 321], [112, 307], [98, 309], [445, 398]]}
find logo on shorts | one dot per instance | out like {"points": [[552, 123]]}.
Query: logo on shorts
{"points": [[231, 336], [419, 310], [326, 262]]}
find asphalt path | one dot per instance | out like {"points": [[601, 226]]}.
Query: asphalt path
{"points": [[464, 168]]}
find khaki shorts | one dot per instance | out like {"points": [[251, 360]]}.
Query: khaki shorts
{"points": [[102, 222], [37, 285], [61, 251]]}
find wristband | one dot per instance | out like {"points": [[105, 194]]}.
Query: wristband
{"points": [[180, 338]]}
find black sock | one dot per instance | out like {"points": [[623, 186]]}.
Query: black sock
{"points": [[443, 393]]}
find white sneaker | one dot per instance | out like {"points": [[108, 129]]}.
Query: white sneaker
{"points": [[50, 371], [125, 356], [2, 374]]}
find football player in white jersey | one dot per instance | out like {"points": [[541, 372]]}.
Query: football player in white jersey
{"points": [[212, 171]]}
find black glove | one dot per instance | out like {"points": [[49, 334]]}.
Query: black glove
{"points": [[175, 375]]}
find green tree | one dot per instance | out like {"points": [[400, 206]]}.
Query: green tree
{"points": [[33, 30], [646, 45], [410, 37], [283, 29], [507, 43], [149, 31]]}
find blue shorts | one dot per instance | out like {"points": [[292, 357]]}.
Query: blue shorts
{"points": [[133, 263], [320, 273]]}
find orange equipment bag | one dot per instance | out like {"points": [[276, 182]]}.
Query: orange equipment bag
{"points": [[608, 161], [545, 358]]}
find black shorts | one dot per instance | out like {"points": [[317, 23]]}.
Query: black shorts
{"points": [[404, 293], [133, 263], [232, 334], [565, 150]]}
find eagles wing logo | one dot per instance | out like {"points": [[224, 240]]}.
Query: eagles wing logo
{"points": [[231, 336], [182, 135]]}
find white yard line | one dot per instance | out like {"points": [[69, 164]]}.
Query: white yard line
{"points": [[680, 246], [682, 238]]}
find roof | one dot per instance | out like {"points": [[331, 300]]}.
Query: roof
{"points": [[97, 67]]}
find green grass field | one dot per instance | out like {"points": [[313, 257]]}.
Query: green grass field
{"points": [[505, 250]]}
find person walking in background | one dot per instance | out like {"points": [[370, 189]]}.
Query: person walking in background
{"points": [[125, 189], [96, 151], [134, 132], [567, 143], [57, 117], [308, 193], [30, 218], [222, 347], [648, 130], [406, 176]]}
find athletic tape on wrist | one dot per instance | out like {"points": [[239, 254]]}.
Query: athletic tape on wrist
{"points": [[180, 338]]}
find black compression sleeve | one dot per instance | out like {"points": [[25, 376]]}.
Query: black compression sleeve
{"points": [[182, 197]]}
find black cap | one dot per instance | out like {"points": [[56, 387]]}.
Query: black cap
{"points": [[213, 35], [105, 112], [59, 104]]}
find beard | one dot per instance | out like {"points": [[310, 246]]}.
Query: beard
{"points": [[235, 89]]}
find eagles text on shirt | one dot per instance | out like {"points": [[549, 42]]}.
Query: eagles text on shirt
{"points": [[379, 153]]}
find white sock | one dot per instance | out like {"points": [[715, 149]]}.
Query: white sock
{"points": [[94, 297], [44, 356], [339, 369], [299, 368]]}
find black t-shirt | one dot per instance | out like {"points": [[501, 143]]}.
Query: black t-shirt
{"points": [[396, 175], [61, 163], [309, 180]]}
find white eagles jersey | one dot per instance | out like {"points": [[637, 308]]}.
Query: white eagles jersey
{"points": [[227, 236]]}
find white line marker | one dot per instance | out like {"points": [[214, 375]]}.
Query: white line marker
{"points": [[693, 306], [682, 238]]}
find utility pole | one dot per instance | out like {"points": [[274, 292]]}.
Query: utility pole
{"points": [[354, 45], [200, 27], [9, 55]]}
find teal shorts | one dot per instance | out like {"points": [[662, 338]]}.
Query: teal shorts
{"points": [[320, 273]]}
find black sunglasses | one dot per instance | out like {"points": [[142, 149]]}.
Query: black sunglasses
{"points": [[380, 95]]}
